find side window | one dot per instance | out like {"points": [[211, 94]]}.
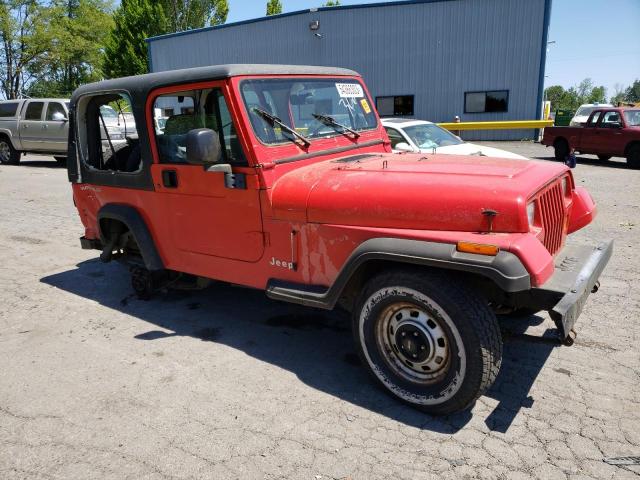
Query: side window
{"points": [[55, 112], [594, 119], [395, 136], [8, 109], [34, 111], [198, 109], [111, 137], [610, 120]]}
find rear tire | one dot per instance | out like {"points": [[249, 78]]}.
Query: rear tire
{"points": [[633, 158], [561, 148], [8, 154], [604, 158], [428, 340]]}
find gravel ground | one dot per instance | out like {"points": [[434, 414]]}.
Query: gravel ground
{"points": [[224, 383]]}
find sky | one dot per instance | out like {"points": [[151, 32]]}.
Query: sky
{"points": [[608, 54]]}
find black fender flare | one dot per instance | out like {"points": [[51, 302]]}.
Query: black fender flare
{"points": [[132, 218], [505, 269]]}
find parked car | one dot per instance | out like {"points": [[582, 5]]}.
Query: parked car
{"points": [[609, 132], [584, 111], [409, 135], [281, 178], [33, 126]]}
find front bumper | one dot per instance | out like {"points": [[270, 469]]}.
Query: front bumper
{"points": [[577, 270]]}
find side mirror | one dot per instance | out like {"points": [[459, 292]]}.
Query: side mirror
{"points": [[203, 146], [403, 147], [59, 117]]}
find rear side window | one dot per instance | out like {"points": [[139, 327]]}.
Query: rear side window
{"points": [[8, 109], [34, 111], [175, 114], [109, 137]]}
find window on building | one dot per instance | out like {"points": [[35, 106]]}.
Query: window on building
{"points": [[34, 111], [487, 101], [395, 106], [8, 109]]}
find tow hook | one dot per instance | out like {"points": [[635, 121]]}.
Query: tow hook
{"points": [[570, 338], [596, 287]]}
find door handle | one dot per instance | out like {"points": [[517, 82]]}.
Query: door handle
{"points": [[170, 178], [44, 127]]}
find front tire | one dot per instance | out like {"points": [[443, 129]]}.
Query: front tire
{"points": [[428, 340], [633, 158], [561, 149], [8, 154]]}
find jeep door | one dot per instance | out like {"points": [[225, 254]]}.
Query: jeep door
{"points": [[206, 217]]}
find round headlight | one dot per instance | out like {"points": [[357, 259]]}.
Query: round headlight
{"points": [[531, 212]]}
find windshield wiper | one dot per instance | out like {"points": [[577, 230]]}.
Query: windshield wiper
{"points": [[273, 120], [330, 121]]}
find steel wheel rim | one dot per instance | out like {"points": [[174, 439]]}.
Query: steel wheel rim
{"points": [[414, 343], [5, 151]]}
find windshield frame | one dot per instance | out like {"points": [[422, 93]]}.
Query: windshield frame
{"points": [[406, 130], [332, 135]]}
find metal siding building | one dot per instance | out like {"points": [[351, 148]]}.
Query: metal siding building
{"points": [[435, 50]]}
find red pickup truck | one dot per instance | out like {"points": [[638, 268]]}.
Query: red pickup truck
{"points": [[609, 132]]}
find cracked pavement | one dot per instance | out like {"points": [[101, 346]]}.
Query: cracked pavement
{"points": [[224, 383]]}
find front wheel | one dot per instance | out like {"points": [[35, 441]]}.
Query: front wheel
{"points": [[633, 158], [428, 340]]}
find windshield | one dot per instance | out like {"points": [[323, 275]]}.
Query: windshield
{"points": [[314, 108], [632, 117], [431, 136]]}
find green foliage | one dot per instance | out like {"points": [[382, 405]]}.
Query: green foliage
{"points": [[126, 50], [331, 3], [632, 94], [189, 14], [274, 7], [26, 38], [573, 97], [77, 56]]}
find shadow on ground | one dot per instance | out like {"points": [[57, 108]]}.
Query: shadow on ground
{"points": [[592, 161], [39, 162], [314, 344]]}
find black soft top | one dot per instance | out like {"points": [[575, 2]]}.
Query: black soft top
{"points": [[141, 85]]}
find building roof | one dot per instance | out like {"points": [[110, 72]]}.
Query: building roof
{"points": [[297, 12], [143, 84]]}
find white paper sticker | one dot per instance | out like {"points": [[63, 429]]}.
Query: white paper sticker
{"points": [[350, 90]]}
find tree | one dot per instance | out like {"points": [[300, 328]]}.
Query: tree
{"points": [[25, 39], [331, 3], [126, 49], [274, 7], [632, 94], [189, 14], [77, 55], [575, 96]]}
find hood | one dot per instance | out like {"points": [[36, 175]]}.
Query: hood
{"points": [[413, 191], [473, 149]]}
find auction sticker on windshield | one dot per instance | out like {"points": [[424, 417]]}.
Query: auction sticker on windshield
{"points": [[350, 90]]}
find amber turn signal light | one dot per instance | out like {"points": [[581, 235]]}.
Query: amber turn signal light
{"points": [[478, 248]]}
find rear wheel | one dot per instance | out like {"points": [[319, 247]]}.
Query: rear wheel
{"points": [[604, 158], [633, 158], [8, 154], [427, 339], [561, 148]]}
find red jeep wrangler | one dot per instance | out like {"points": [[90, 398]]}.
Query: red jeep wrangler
{"points": [[281, 178]]}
